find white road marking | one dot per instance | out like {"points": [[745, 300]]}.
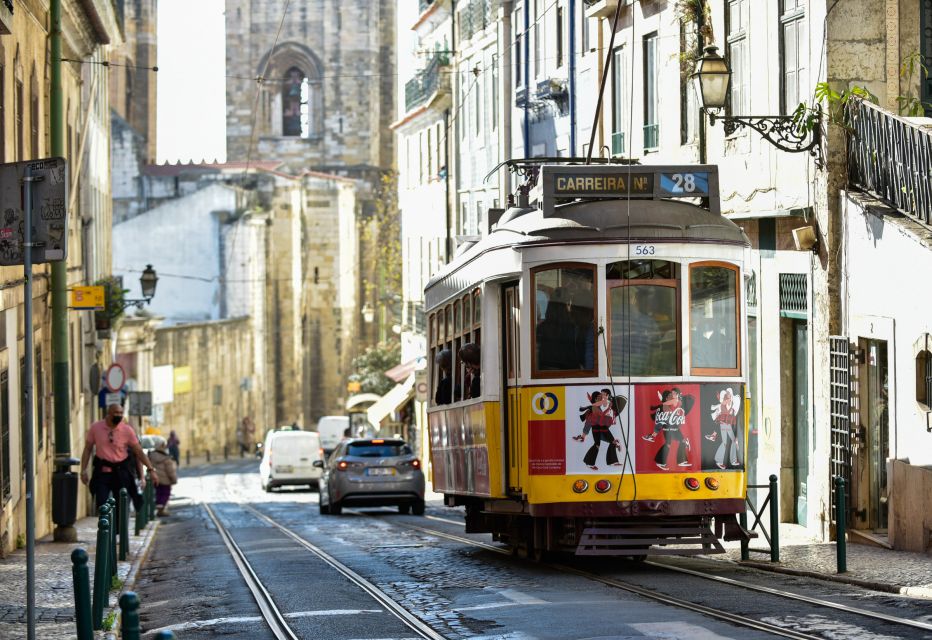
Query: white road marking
{"points": [[519, 597], [675, 631], [439, 519], [199, 624]]}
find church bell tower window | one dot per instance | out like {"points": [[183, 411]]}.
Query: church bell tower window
{"points": [[296, 104]]}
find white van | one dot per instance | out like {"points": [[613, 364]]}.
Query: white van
{"points": [[288, 457], [332, 430]]}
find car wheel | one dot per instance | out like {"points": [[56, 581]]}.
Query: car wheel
{"points": [[324, 509], [268, 488], [404, 508], [418, 508], [336, 508]]}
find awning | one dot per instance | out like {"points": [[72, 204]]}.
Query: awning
{"points": [[361, 398], [399, 373], [395, 398]]}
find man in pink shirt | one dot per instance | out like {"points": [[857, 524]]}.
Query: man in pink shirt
{"points": [[111, 441]]}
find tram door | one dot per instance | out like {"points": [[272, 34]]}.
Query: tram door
{"points": [[511, 328]]}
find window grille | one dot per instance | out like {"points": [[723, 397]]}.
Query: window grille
{"points": [[794, 295]]}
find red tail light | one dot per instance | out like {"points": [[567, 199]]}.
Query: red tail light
{"points": [[692, 484], [416, 464], [602, 486], [342, 465]]}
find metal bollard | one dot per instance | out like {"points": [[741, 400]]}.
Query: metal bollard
{"points": [[165, 635], [208, 455], [187, 458], [101, 571], [124, 524], [150, 487], [841, 543], [743, 521], [774, 520], [226, 452], [129, 616], [114, 527], [140, 519], [82, 594]]}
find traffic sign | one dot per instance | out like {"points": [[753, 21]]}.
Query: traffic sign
{"points": [[88, 298], [49, 210], [115, 378], [140, 403], [420, 385]]}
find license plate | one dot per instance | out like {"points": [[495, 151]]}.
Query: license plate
{"points": [[380, 471], [284, 469]]}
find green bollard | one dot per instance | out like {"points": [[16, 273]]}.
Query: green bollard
{"points": [[114, 525], [101, 571], [140, 520], [151, 489], [165, 635], [129, 616], [82, 594], [774, 520], [124, 524], [743, 521], [841, 543]]}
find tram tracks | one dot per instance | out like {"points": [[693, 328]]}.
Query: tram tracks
{"points": [[272, 615], [874, 615]]}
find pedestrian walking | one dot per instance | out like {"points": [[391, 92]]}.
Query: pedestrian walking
{"points": [[168, 474], [111, 441], [174, 447]]}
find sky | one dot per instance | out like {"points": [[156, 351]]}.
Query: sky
{"points": [[191, 85]]}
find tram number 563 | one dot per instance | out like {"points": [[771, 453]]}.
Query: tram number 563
{"points": [[644, 250]]}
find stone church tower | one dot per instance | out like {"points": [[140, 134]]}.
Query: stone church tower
{"points": [[327, 88], [325, 101]]}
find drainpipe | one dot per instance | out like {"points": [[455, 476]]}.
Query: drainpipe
{"points": [[63, 493], [572, 75], [527, 80]]}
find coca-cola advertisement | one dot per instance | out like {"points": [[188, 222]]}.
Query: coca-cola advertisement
{"points": [[667, 428], [722, 426]]}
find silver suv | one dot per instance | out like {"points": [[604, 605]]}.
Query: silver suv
{"points": [[371, 472]]}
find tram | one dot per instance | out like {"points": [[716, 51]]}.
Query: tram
{"points": [[605, 413]]}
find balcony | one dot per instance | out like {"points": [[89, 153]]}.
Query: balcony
{"points": [[427, 82], [6, 17], [424, 5], [618, 144], [651, 136], [602, 8], [891, 158]]}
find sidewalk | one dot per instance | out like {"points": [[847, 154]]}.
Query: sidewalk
{"points": [[54, 586], [871, 567]]}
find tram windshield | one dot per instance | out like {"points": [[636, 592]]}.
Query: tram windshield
{"points": [[713, 317], [565, 319], [643, 311]]}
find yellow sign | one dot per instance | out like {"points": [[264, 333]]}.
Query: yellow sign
{"points": [[183, 380], [87, 298], [640, 184], [353, 387]]}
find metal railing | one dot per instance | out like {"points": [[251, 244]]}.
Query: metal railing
{"points": [[427, 82], [890, 158], [424, 5], [773, 535]]}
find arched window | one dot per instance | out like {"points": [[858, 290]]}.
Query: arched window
{"points": [[296, 104]]}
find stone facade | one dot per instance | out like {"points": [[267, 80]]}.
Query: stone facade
{"points": [[89, 28]]}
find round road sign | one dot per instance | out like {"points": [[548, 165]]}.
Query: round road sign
{"points": [[115, 378]]}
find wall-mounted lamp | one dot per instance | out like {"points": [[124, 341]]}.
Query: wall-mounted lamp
{"points": [[712, 78], [147, 282], [806, 239], [368, 314]]}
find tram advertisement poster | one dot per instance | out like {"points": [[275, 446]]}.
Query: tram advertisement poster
{"points": [[598, 429], [722, 426], [667, 428]]}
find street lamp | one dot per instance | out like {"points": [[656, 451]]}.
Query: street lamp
{"points": [[793, 133], [147, 282]]}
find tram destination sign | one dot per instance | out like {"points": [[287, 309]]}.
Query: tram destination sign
{"points": [[624, 181], [49, 210]]}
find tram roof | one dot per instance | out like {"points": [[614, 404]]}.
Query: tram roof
{"points": [[608, 220]]}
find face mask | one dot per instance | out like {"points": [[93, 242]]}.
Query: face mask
{"points": [[116, 419]]}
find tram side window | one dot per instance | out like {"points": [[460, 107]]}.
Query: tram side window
{"points": [[564, 323], [713, 319], [643, 311]]}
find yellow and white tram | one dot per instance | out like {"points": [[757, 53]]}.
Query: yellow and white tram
{"points": [[606, 415]]}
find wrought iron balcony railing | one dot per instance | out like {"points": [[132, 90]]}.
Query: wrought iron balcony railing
{"points": [[427, 82], [891, 158]]}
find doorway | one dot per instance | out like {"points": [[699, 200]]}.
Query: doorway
{"points": [[511, 338], [874, 437]]}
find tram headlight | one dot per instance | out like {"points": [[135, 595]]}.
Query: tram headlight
{"points": [[711, 483], [603, 485], [580, 486], [692, 484]]}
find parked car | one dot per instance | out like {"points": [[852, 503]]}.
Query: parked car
{"points": [[369, 472], [289, 457]]}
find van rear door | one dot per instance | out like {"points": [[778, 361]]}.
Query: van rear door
{"points": [[293, 455]]}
